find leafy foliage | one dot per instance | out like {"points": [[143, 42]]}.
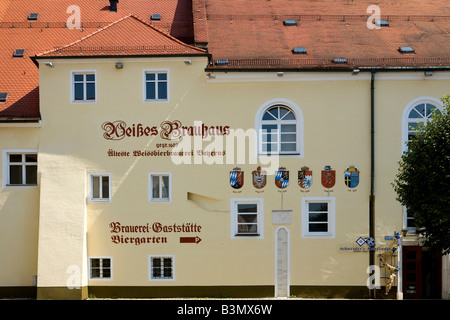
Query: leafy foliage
{"points": [[423, 181]]}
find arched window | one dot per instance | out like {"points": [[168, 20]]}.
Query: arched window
{"points": [[280, 129], [417, 112], [418, 115]]}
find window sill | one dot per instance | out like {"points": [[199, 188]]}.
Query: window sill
{"points": [[247, 235], [160, 201], [21, 186], [287, 155], [318, 235], [84, 101], [100, 201], [156, 101]]}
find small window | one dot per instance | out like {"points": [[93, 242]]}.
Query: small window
{"points": [[100, 187], [340, 61], [19, 53], [299, 50], [156, 86], [3, 97], [382, 23], [155, 16], [161, 268], [290, 22], [84, 87], [222, 62], [160, 187], [318, 216], [33, 16], [21, 168], [100, 268], [406, 50], [247, 218]]}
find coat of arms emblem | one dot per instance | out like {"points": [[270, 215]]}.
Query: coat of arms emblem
{"points": [[305, 178], [259, 178], [236, 178], [351, 177], [281, 178], [328, 177]]}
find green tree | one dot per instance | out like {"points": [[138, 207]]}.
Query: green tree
{"points": [[422, 183]]}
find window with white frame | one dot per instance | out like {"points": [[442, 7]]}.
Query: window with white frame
{"points": [[160, 187], [318, 217], [156, 85], [161, 268], [280, 128], [100, 187], [20, 167], [247, 218], [84, 86], [418, 115], [417, 112], [100, 268]]}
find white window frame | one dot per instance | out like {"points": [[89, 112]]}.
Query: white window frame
{"points": [[150, 187], [101, 278], [155, 71], [91, 175], [405, 122], [72, 86], [234, 218], [295, 109], [405, 134], [331, 219], [150, 267], [6, 163]]}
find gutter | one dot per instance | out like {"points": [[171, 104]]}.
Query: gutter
{"points": [[20, 122], [328, 69], [372, 173]]}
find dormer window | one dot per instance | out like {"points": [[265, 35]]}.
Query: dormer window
{"points": [[3, 97], [18, 53], [33, 16]]}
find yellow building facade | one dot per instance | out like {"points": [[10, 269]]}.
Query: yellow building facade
{"points": [[128, 190], [165, 175]]}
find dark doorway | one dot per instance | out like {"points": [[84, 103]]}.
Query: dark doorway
{"points": [[422, 273]]}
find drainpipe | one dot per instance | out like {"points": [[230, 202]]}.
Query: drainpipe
{"points": [[372, 172]]}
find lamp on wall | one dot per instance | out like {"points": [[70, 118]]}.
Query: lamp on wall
{"points": [[49, 64], [119, 65]]}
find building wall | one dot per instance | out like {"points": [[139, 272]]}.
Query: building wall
{"points": [[335, 113], [19, 214]]}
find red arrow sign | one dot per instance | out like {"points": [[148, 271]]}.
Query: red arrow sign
{"points": [[190, 239]]}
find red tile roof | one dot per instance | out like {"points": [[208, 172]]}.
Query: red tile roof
{"points": [[251, 34], [115, 40], [19, 77]]}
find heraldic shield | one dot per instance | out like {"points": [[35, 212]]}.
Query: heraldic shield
{"points": [[281, 178], [305, 178], [328, 177], [236, 178], [259, 178], [351, 177]]}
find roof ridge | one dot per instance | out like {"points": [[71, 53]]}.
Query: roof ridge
{"points": [[115, 23]]}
